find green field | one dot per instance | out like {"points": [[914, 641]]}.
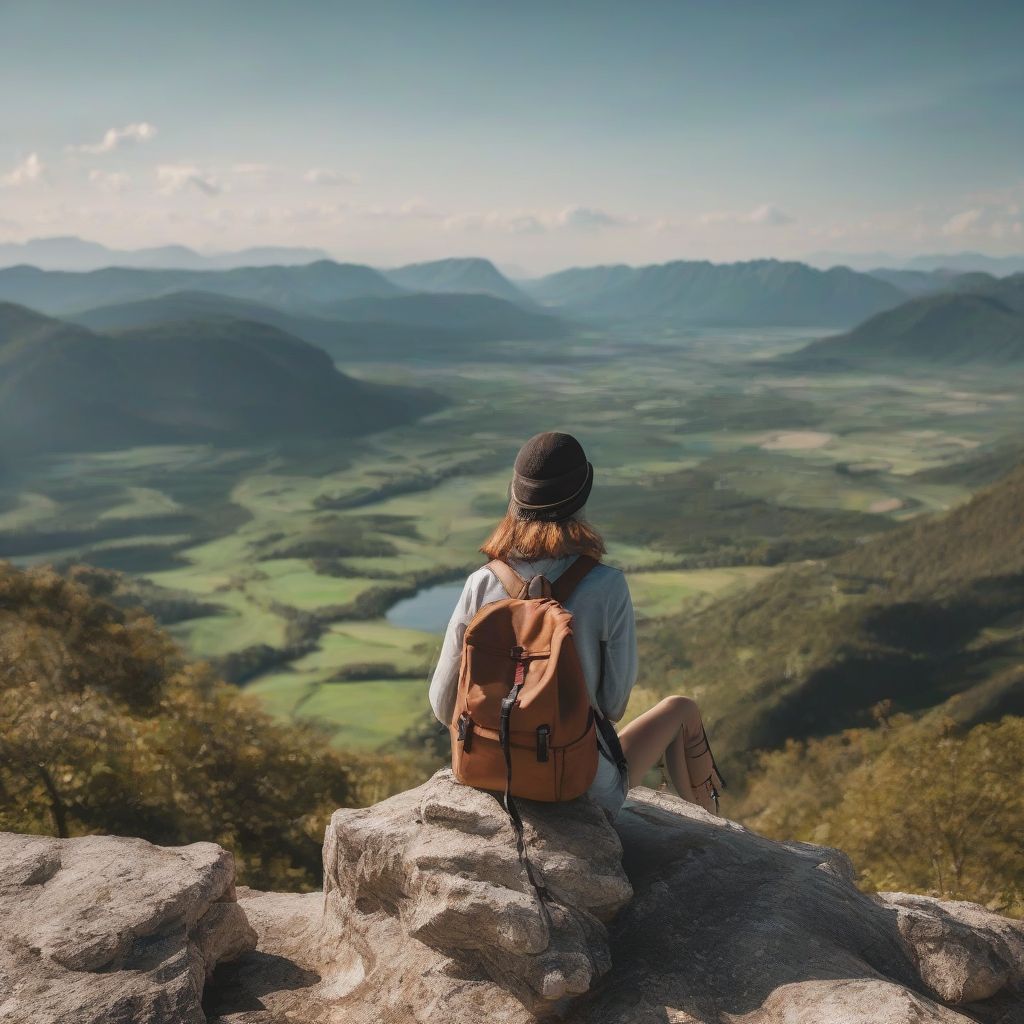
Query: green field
{"points": [[709, 474]]}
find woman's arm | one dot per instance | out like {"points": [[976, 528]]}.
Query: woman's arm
{"points": [[618, 655], [445, 683]]}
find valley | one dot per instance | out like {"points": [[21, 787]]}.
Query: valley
{"points": [[286, 564]]}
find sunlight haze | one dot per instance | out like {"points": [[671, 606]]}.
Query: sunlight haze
{"points": [[537, 135]]}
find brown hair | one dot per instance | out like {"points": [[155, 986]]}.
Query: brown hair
{"points": [[530, 540]]}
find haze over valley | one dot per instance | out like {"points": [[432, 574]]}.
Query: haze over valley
{"points": [[281, 508]]}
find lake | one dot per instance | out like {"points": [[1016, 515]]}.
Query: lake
{"points": [[428, 609]]}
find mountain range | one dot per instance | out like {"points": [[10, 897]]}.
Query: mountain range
{"points": [[758, 292], [955, 262], [469, 299], [300, 288], [71, 253], [979, 320], [917, 282], [64, 387], [405, 325]]}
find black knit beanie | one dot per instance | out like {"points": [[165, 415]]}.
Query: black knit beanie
{"points": [[552, 478]]}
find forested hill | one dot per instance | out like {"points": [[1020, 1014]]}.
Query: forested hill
{"points": [[397, 326], [924, 615], [979, 321], [758, 292], [63, 387]]}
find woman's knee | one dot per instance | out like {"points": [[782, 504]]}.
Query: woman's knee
{"points": [[684, 709]]}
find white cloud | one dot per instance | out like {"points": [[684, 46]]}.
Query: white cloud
{"points": [[586, 218], [766, 214], [527, 222], [414, 209], [962, 223], [326, 177], [264, 216], [510, 223], [173, 178], [110, 181], [30, 170], [1003, 220], [140, 131]]}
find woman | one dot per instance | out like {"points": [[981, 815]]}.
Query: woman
{"points": [[541, 535]]}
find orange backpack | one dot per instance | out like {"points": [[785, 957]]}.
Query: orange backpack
{"points": [[523, 721]]}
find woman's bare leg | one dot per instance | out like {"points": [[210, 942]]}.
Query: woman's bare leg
{"points": [[674, 728]]}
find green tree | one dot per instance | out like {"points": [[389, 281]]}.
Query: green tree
{"points": [[922, 806], [105, 727]]}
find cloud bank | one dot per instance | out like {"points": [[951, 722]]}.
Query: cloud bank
{"points": [[114, 138], [30, 170], [326, 177], [174, 178], [766, 214]]}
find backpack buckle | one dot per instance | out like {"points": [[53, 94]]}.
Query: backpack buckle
{"points": [[543, 736], [465, 731]]}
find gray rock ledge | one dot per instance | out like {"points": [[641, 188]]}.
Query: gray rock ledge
{"points": [[108, 930], [671, 916]]}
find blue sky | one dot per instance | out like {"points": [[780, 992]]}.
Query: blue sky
{"points": [[539, 134]]}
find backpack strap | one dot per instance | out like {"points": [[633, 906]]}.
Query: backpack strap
{"points": [[566, 583], [508, 801], [611, 739], [514, 584]]}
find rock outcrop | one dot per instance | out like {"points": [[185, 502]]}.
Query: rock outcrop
{"points": [[963, 953], [427, 915], [673, 916], [105, 930]]}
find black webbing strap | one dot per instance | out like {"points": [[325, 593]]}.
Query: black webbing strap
{"points": [[611, 739], [505, 736]]}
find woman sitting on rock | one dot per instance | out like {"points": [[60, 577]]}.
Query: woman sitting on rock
{"points": [[542, 534]]}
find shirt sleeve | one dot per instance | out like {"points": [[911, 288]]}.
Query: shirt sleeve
{"points": [[445, 683], [619, 655]]}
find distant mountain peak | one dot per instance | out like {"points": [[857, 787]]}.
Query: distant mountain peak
{"points": [[466, 275]]}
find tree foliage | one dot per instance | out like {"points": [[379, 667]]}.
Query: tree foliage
{"points": [[921, 806], [106, 728]]}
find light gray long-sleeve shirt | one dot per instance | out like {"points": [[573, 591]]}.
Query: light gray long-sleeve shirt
{"points": [[604, 630]]}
